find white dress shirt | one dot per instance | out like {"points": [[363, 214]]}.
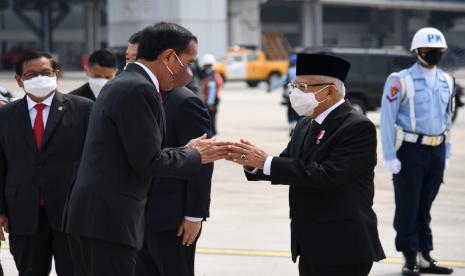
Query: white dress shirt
{"points": [[319, 119], [33, 112], [151, 75], [156, 83]]}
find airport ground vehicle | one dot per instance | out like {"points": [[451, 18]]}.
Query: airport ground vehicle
{"points": [[250, 65]]}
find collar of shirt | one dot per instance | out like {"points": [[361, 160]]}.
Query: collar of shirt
{"points": [[33, 111], [320, 118], [31, 103], [151, 75], [429, 74]]}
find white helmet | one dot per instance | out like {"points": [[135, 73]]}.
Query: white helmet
{"points": [[208, 59], [428, 38]]}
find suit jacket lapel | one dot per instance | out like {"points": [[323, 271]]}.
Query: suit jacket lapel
{"points": [[89, 92], [25, 123], [330, 124], [57, 110], [298, 137], [132, 67]]}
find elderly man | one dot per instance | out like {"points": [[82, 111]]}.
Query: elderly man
{"points": [[329, 167]]}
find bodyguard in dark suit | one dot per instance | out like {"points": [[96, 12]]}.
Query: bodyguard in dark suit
{"points": [[329, 167], [124, 151], [41, 141], [100, 69], [176, 207]]}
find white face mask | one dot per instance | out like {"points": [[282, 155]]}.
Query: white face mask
{"points": [[96, 85], [40, 86], [304, 103]]}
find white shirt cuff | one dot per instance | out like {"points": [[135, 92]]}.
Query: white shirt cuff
{"points": [[267, 165], [193, 219]]}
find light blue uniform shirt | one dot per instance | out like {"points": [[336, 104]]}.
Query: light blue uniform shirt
{"points": [[432, 105]]}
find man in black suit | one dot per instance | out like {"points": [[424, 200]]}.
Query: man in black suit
{"points": [[124, 151], [329, 165], [176, 207], [41, 141], [100, 69]]}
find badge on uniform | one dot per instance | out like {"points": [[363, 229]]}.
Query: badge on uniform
{"points": [[394, 90], [320, 136], [60, 108]]}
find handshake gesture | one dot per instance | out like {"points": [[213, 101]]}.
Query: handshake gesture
{"points": [[243, 153]]}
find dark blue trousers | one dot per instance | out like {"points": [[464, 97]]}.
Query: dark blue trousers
{"points": [[416, 187]]}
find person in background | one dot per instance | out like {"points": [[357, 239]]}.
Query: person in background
{"points": [[101, 68], [211, 85], [416, 116], [41, 141], [197, 73], [176, 207], [131, 51], [290, 76]]}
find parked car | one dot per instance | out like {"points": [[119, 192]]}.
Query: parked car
{"points": [[250, 65]]}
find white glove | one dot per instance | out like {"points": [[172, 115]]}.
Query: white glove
{"points": [[394, 166]]}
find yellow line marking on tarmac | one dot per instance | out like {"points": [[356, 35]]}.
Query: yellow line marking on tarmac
{"points": [[269, 253], [287, 254]]}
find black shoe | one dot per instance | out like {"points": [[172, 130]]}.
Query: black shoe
{"points": [[428, 265], [410, 267], [410, 270]]}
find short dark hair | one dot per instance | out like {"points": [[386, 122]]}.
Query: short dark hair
{"points": [[103, 58], [161, 36], [34, 55], [135, 37]]}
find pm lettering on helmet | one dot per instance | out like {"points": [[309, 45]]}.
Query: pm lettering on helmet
{"points": [[434, 38], [428, 38]]}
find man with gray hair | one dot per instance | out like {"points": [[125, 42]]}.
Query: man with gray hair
{"points": [[329, 167]]}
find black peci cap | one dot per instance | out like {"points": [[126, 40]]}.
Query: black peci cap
{"points": [[322, 65]]}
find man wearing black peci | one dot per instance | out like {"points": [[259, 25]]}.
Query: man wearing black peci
{"points": [[329, 167], [124, 151]]}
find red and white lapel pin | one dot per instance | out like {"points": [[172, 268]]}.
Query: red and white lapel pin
{"points": [[320, 136]]}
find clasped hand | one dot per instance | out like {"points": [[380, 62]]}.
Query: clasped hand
{"points": [[247, 154], [243, 153]]}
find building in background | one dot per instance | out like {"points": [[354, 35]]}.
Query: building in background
{"points": [[73, 28], [362, 23]]}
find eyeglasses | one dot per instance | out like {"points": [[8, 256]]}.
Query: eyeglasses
{"points": [[304, 86], [32, 75]]}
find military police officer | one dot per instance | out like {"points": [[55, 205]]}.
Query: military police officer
{"points": [[416, 113]]}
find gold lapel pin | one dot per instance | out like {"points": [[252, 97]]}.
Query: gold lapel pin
{"points": [[60, 108]]}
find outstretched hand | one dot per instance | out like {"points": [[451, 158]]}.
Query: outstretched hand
{"points": [[210, 150], [247, 154]]}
